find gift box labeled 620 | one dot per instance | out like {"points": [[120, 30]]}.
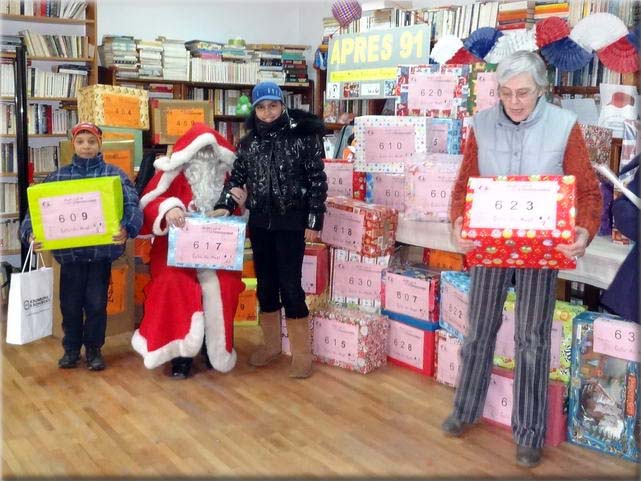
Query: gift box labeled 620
{"points": [[76, 213], [517, 221]]}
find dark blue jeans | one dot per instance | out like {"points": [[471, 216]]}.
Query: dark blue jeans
{"points": [[278, 260], [83, 302]]}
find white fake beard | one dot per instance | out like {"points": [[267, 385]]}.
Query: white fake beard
{"points": [[206, 176]]}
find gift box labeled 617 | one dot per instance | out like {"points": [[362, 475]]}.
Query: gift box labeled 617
{"points": [[517, 221], [208, 243], [76, 213]]}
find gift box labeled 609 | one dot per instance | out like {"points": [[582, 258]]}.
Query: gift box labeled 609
{"points": [[517, 221]]}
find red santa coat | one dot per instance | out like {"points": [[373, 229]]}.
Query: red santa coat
{"points": [[182, 305]]}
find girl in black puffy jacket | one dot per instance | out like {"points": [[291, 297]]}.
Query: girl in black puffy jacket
{"points": [[280, 163]]}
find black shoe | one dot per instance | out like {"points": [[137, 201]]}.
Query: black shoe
{"points": [[206, 357], [454, 427], [69, 360], [528, 457], [95, 362], [180, 367]]}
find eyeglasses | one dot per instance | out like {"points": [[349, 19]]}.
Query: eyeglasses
{"points": [[520, 95]]}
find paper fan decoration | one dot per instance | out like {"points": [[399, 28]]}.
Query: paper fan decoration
{"points": [[566, 55], [463, 57], [550, 30], [445, 48], [481, 41], [621, 56], [635, 37], [346, 11], [508, 44], [598, 30]]}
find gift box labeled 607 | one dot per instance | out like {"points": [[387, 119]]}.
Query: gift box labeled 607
{"points": [[517, 221], [76, 213]]}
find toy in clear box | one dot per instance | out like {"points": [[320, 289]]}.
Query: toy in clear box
{"points": [[604, 395]]}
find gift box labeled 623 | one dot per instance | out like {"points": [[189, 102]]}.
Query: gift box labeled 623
{"points": [[517, 221]]}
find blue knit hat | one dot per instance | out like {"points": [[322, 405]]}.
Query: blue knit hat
{"points": [[266, 91]]}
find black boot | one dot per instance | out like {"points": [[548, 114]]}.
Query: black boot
{"points": [[206, 357], [95, 362], [69, 360], [180, 367]]}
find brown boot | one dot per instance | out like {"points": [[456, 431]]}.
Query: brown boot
{"points": [[271, 347], [300, 340]]}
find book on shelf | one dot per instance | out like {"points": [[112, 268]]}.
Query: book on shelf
{"points": [[8, 197], [47, 119], [6, 77], [8, 43], [75, 9], [7, 119], [54, 84], [44, 159], [9, 238], [45, 45], [7, 158]]}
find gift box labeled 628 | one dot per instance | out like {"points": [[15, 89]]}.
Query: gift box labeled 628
{"points": [[517, 221]]}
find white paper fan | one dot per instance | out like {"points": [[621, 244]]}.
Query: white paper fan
{"points": [[445, 48], [510, 43], [598, 30]]}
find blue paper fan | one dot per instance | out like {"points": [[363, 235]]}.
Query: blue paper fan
{"points": [[635, 37], [566, 55], [481, 41]]}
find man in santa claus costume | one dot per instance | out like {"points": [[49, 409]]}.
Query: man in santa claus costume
{"points": [[185, 306]]}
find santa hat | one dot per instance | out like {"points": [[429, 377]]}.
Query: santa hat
{"points": [[197, 137]]}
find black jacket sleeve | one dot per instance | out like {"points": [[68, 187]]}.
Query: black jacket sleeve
{"points": [[237, 178], [317, 181]]}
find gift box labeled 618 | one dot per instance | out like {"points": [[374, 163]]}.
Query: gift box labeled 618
{"points": [[517, 221], [208, 243]]}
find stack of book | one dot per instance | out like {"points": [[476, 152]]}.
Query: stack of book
{"points": [[515, 16], [175, 59], [236, 52], [270, 58], [8, 43], [150, 55], [119, 53], [161, 91], [206, 49], [295, 65], [545, 9]]}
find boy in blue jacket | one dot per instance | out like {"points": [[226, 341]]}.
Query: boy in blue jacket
{"points": [[85, 271]]}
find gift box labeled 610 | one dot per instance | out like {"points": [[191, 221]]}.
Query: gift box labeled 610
{"points": [[517, 221], [208, 243], [76, 213]]}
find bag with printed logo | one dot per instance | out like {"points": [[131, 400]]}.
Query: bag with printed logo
{"points": [[30, 314]]}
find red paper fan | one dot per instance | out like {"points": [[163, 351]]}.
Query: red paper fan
{"points": [[463, 57], [621, 56], [550, 30]]}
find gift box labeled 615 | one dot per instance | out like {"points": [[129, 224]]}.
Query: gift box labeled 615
{"points": [[208, 243], [517, 221]]}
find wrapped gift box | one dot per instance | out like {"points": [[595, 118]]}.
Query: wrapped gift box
{"points": [[367, 229], [561, 339], [433, 90], [385, 189], [76, 213], [484, 88], [410, 293], [516, 221], [208, 243], [447, 363], [355, 280], [598, 140], [114, 106], [412, 347], [247, 310], [499, 402], [343, 180], [384, 143], [315, 268], [170, 119], [444, 136], [350, 339], [428, 187], [449, 261], [604, 391], [119, 133]]}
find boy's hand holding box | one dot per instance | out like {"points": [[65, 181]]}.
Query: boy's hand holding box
{"points": [[76, 213], [516, 221], [208, 243]]}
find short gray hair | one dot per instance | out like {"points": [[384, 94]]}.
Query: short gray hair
{"points": [[520, 62]]}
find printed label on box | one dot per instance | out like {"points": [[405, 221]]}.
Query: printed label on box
{"points": [[213, 244], [617, 339], [498, 404], [72, 215], [389, 144], [310, 266], [448, 362], [389, 190], [343, 229], [487, 90], [407, 295], [335, 340], [431, 92], [454, 308], [405, 344], [121, 110], [339, 178], [355, 279], [437, 137], [180, 121]]}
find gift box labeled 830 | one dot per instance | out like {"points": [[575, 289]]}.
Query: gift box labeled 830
{"points": [[516, 221], [76, 213]]}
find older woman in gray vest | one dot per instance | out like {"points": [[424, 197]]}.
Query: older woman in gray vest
{"points": [[522, 135]]}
